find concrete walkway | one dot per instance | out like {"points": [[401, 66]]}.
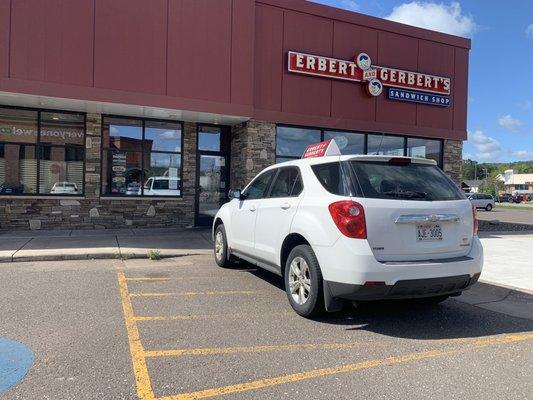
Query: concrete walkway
{"points": [[109, 243]]}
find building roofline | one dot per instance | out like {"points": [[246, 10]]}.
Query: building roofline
{"points": [[338, 14]]}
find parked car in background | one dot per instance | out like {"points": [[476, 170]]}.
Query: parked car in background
{"points": [[522, 197], [133, 188], [482, 200], [505, 198], [11, 189], [162, 186], [64, 188]]}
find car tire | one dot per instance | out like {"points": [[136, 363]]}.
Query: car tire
{"points": [[303, 282], [488, 207], [220, 248]]}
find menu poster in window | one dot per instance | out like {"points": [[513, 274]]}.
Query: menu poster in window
{"points": [[118, 173], [173, 181]]}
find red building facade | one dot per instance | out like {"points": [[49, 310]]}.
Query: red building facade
{"points": [[202, 93]]}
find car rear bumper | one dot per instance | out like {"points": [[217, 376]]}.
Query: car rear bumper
{"points": [[403, 289], [350, 267]]}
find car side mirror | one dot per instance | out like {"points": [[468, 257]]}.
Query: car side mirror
{"points": [[235, 194]]}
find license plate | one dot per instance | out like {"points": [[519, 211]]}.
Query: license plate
{"points": [[428, 233]]}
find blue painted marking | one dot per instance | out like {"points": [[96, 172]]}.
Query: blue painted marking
{"points": [[15, 362]]}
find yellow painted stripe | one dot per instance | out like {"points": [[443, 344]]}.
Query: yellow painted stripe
{"points": [[202, 316], [147, 279], [249, 349], [323, 372], [184, 278], [164, 294], [140, 369]]}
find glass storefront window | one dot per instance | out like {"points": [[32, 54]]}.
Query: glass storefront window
{"points": [[348, 142], [18, 126], [291, 142], [124, 173], [209, 138], [163, 175], [164, 136], [142, 157], [387, 145], [60, 128], [45, 161], [424, 148]]}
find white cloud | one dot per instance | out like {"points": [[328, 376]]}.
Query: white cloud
{"points": [[529, 31], [488, 149], [509, 122], [349, 5], [439, 17], [113, 130], [169, 135], [523, 154]]}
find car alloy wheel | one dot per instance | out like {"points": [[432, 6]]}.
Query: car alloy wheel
{"points": [[299, 280], [219, 245]]}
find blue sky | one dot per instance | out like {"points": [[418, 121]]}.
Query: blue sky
{"points": [[500, 98]]}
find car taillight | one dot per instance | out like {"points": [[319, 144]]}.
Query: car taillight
{"points": [[349, 216], [474, 217]]}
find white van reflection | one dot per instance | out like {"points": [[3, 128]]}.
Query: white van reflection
{"points": [[162, 186], [64, 188]]}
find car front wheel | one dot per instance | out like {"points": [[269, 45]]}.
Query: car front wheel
{"points": [[303, 282], [222, 256], [489, 207]]}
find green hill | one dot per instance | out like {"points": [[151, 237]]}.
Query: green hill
{"points": [[470, 168]]}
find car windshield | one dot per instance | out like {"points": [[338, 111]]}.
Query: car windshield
{"points": [[412, 181]]}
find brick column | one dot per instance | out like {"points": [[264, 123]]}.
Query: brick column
{"points": [[253, 146], [453, 158], [93, 145], [189, 171]]}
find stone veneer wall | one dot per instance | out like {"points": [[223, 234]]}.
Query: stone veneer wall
{"points": [[453, 159], [253, 147], [93, 211]]}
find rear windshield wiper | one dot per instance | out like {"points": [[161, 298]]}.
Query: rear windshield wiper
{"points": [[408, 194]]}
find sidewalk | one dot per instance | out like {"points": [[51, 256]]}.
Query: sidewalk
{"points": [[108, 243]]}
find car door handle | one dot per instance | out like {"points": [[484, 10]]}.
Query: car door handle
{"points": [[253, 208], [285, 206]]}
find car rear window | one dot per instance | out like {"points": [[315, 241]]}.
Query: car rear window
{"points": [[330, 175], [413, 181]]}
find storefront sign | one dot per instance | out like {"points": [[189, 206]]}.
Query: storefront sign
{"points": [[417, 97], [118, 173], [375, 77]]}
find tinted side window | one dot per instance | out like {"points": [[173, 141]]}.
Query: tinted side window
{"points": [[330, 176], [257, 189], [285, 182]]}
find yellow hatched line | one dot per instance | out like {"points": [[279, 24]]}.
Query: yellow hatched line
{"points": [[248, 349], [323, 372], [202, 316], [140, 369], [166, 294], [142, 279]]}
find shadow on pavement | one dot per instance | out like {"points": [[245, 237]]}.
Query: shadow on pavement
{"points": [[449, 320]]}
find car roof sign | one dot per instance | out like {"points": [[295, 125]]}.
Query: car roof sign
{"points": [[321, 149]]}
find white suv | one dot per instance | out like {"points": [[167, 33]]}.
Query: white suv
{"points": [[353, 228]]}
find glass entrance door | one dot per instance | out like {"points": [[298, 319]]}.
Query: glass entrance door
{"points": [[212, 172]]}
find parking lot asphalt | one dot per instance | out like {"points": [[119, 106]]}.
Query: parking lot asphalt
{"points": [[182, 328], [522, 215]]}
